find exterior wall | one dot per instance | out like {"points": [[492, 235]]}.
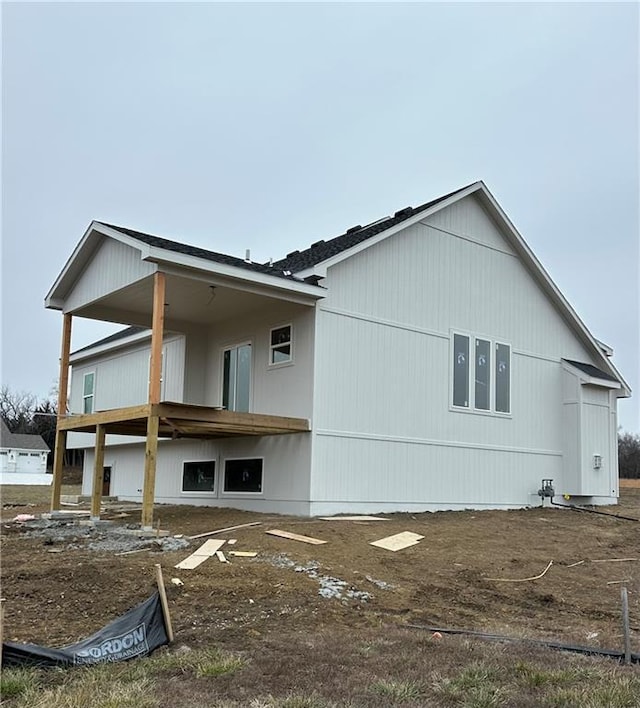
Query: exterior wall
{"points": [[113, 266], [286, 460], [285, 389], [386, 435], [23, 462]]}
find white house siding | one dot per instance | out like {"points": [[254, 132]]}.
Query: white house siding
{"points": [[195, 358], [113, 266], [122, 379], [285, 472], [384, 431]]}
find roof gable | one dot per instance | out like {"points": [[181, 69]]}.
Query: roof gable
{"points": [[20, 441], [321, 251]]}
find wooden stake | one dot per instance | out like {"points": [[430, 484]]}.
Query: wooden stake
{"points": [[164, 603], [625, 625], [61, 437], [1, 626], [98, 473]]}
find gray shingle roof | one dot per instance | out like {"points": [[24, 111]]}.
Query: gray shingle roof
{"points": [[591, 370], [322, 250], [184, 248], [20, 441], [120, 334]]}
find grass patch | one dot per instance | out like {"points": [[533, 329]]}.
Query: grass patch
{"points": [[101, 685], [16, 681], [209, 662], [476, 686], [398, 691]]}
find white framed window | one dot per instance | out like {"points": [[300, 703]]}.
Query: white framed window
{"points": [[243, 476], [281, 345], [481, 374], [199, 476], [88, 390], [236, 377]]}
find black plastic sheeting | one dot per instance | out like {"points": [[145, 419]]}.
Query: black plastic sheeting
{"points": [[592, 651], [136, 633]]}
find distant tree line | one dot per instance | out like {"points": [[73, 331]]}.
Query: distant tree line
{"points": [[25, 413], [629, 455]]}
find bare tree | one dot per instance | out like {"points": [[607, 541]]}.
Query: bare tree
{"points": [[16, 409], [629, 455]]}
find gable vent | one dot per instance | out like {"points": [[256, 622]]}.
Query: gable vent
{"points": [[353, 228], [317, 243], [403, 212], [292, 254]]}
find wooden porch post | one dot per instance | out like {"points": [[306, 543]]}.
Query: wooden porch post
{"points": [[98, 473], [61, 435], [155, 372]]}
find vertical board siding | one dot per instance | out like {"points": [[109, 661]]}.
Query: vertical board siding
{"points": [[113, 266], [285, 472], [384, 428], [122, 378]]}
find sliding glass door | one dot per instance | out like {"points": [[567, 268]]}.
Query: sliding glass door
{"points": [[236, 378]]}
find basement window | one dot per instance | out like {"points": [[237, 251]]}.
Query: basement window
{"points": [[243, 476], [88, 388], [199, 476], [280, 345]]}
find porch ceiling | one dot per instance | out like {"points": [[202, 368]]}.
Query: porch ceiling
{"points": [[187, 300], [181, 420]]}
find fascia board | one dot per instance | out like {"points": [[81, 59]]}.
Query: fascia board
{"points": [[77, 261], [320, 269], [160, 255], [585, 379], [548, 285]]}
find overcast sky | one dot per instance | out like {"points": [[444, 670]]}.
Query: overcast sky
{"points": [[270, 126]]}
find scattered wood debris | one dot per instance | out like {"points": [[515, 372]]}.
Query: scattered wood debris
{"points": [[352, 518], [398, 541], [295, 537], [243, 554], [206, 550], [221, 557], [521, 580], [615, 560], [573, 565], [230, 528]]}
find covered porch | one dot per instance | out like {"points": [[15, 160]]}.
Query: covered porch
{"points": [[117, 275]]}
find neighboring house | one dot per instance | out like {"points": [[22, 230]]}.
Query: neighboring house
{"points": [[425, 361], [23, 458]]}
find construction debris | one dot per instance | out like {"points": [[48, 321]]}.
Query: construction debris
{"points": [[243, 554], [206, 550], [221, 557], [295, 537], [521, 580], [230, 528], [398, 541], [352, 518]]}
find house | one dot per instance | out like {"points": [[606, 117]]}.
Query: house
{"points": [[423, 361], [23, 458]]}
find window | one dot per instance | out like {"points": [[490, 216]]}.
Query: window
{"points": [[503, 378], [243, 475], [483, 375], [199, 476], [479, 383], [280, 345], [87, 392], [460, 370], [34, 454], [23, 454], [236, 378]]}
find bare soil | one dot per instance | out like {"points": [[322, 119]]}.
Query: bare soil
{"points": [[60, 585]]}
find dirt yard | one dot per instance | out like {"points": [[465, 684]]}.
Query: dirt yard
{"points": [[62, 581]]}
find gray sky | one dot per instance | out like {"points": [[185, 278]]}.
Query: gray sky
{"points": [[234, 126]]}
